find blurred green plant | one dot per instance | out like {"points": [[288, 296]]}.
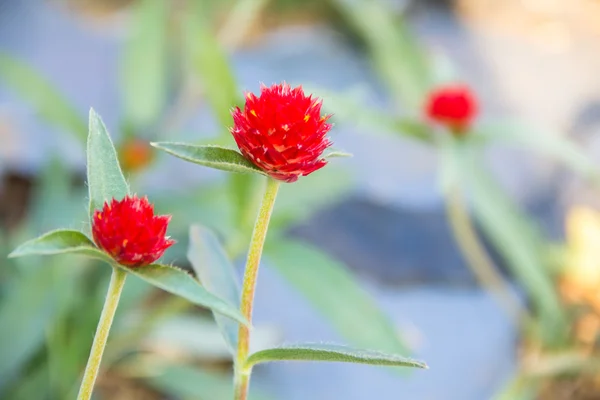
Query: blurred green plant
{"points": [[471, 193], [181, 68]]}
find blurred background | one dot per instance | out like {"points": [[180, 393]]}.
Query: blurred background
{"points": [[377, 263]]}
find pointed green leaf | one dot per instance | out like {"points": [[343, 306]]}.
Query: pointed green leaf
{"points": [[336, 294], [168, 278], [45, 98], [181, 283], [336, 154], [61, 241], [210, 156], [331, 353], [144, 63], [217, 274], [104, 176]]}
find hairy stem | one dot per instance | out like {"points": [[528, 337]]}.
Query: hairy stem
{"points": [[242, 375], [117, 280]]}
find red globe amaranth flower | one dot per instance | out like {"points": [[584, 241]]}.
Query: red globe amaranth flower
{"points": [[282, 132], [453, 106], [129, 231]]}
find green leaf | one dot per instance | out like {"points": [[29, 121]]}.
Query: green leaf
{"points": [[396, 55], [334, 292], [350, 107], [217, 274], [336, 154], [144, 63], [210, 65], [210, 156], [168, 278], [30, 306], [331, 353], [60, 241], [44, 97], [181, 283], [551, 144], [104, 176]]}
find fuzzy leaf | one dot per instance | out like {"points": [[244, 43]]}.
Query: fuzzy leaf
{"points": [[144, 63], [331, 353], [181, 283], [210, 156], [44, 97], [104, 176], [217, 274], [168, 278], [60, 241], [335, 293]]}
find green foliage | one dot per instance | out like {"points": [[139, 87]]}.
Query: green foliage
{"points": [[217, 274], [44, 97], [60, 241], [210, 156], [180, 283], [349, 108], [144, 63], [335, 293], [210, 66], [168, 278], [191, 383], [508, 229], [104, 176], [32, 304], [331, 353], [551, 144], [395, 54]]}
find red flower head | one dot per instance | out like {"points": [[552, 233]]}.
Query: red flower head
{"points": [[282, 132], [454, 106], [129, 231]]}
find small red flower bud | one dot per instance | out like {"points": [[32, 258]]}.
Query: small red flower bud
{"points": [[453, 106], [135, 154], [282, 132], [129, 231]]}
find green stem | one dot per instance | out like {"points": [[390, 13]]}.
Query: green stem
{"points": [[117, 280], [478, 260], [242, 374]]}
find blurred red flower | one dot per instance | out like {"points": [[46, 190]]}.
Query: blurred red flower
{"points": [[454, 106], [129, 231], [282, 132], [135, 154]]}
